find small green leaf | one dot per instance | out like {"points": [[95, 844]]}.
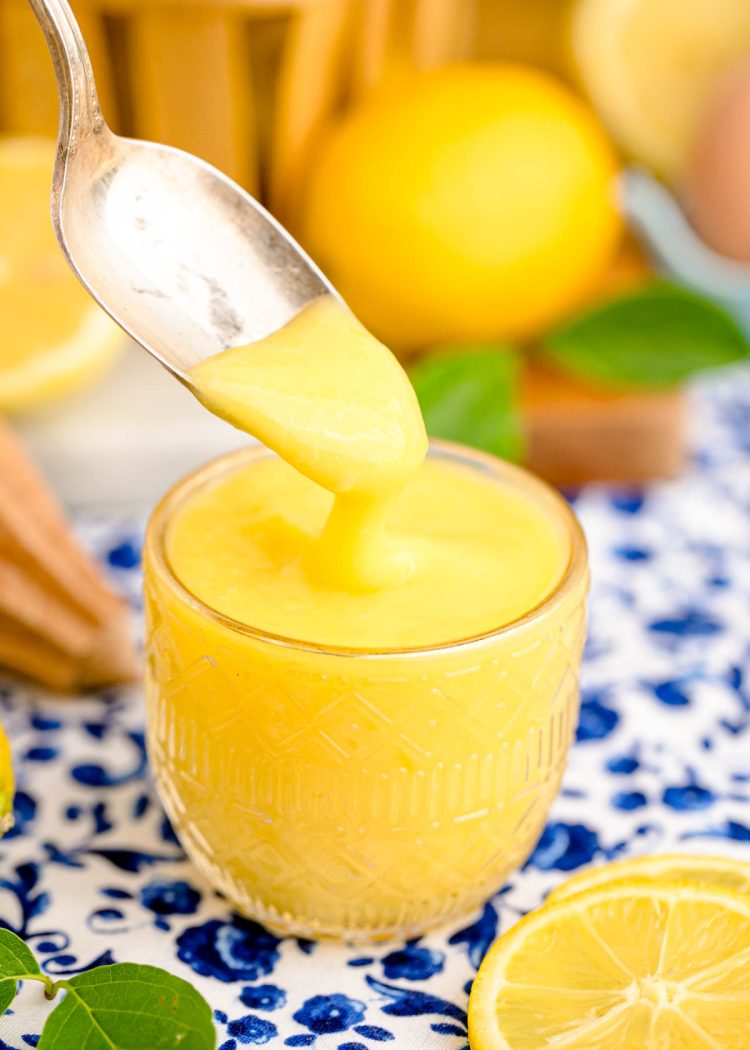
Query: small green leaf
{"points": [[129, 1007], [652, 338], [471, 395], [16, 962]]}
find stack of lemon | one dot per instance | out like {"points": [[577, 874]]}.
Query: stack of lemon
{"points": [[647, 954], [479, 202], [53, 337]]}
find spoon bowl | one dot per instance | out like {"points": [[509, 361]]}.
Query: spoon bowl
{"points": [[180, 256]]}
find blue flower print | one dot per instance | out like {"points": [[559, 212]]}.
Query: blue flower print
{"points": [[731, 830], [407, 1002], [628, 800], [632, 554], [671, 694], [41, 754], [564, 847], [479, 936], [238, 950], [24, 813], [625, 765], [688, 797], [170, 898], [251, 1029], [126, 555], [627, 502], [324, 1014], [374, 1032], [596, 720], [263, 997], [693, 624], [413, 963]]}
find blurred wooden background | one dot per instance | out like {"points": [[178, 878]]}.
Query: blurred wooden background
{"points": [[250, 84]]}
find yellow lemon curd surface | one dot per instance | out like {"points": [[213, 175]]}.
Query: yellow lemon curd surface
{"points": [[345, 737], [476, 556]]}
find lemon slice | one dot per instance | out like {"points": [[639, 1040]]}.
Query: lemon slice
{"points": [[650, 65], [6, 784], [722, 872], [631, 966], [53, 337]]}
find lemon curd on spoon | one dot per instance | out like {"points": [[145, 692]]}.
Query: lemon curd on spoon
{"points": [[362, 662]]}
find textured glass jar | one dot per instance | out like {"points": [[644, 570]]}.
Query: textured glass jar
{"points": [[354, 793]]}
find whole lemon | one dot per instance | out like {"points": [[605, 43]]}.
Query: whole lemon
{"points": [[470, 203]]}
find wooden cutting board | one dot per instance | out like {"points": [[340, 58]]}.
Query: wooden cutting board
{"points": [[577, 433]]}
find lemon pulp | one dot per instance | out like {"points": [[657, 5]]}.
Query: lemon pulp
{"points": [[631, 965]]}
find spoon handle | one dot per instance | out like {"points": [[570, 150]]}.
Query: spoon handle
{"points": [[80, 113]]}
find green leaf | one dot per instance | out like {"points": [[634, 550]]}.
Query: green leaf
{"points": [[16, 962], [652, 338], [470, 394], [129, 1007]]}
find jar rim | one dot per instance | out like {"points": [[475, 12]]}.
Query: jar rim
{"points": [[573, 574]]}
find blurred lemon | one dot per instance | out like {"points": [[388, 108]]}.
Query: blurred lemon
{"points": [[650, 66], [53, 338], [471, 203], [6, 784]]}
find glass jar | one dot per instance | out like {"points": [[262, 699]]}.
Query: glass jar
{"points": [[356, 793]]}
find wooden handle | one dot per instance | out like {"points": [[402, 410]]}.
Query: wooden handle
{"points": [[59, 620]]}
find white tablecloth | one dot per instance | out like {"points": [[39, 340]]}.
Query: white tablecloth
{"points": [[92, 872]]}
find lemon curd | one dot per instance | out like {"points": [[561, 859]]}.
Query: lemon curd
{"points": [[478, 558], [338, 407], [362, 665]]}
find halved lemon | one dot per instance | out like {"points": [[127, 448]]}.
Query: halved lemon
{"points": [[722, 872], [628, 966], [7, 784], [53, 337], [650, 66]]}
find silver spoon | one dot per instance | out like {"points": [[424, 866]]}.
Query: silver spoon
{"points": [[180, 256]]}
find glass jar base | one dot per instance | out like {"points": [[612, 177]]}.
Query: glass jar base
{"points": [[363, 920], [449, 911]]}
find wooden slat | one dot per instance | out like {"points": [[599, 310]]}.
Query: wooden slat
{"points": [[309, 85], [24, 653], [59, 621], [252, 7], [535, 31], [372, 48], [395, 36], [35, 534], [191, 86], [576, 433], [91, 21], [28, 94], [33, 606], [443, 31]]}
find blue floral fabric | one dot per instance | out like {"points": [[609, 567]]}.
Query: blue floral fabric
{"points": [[92, 872]]}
